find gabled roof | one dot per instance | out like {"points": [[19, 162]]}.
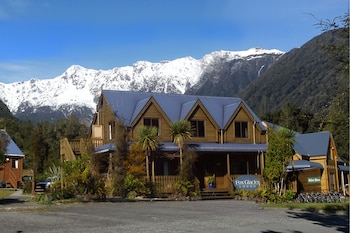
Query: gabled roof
{"points": [[127, 105], [312, 144], [12, 148]]}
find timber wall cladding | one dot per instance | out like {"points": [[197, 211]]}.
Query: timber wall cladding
{"points": [[241, 116], [153, 113], [306, 180], [210, 134], [107, 115]]}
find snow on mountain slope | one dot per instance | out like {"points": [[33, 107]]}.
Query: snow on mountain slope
{"points": [[79, 86]]}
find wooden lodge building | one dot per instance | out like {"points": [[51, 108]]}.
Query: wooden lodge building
{"points": [[228, 137], [316, 164]]}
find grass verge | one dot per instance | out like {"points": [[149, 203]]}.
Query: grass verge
{"points": [[5, 193], [313, 207]]}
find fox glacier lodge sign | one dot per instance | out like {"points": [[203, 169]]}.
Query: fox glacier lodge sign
{"points": [[247, 182]]}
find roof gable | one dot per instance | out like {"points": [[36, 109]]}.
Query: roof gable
{"points": [[12, 148], [312, 144], [128, 105], [199, 106], [229, 110], [143, 106]]}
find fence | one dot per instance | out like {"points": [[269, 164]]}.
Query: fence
{"points": [[166, 183]]}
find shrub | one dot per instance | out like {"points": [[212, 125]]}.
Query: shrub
{"points": [[134, 186], [289, 196], [185, 188], [43, 198], [27, 188]]}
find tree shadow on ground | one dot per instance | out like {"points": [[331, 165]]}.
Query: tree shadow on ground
{"points": [[326, 219], [9, 201], [268, 231]]}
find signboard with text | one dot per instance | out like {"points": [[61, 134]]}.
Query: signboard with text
{"points": [[247, 182], [313, 180]]}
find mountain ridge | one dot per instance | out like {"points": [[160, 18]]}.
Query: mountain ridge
{"points": [[304, 76], [78, 88]]}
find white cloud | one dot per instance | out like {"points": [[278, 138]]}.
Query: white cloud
{"points": [[12, 67], [27, 69], [12, 8], [13, 72]]}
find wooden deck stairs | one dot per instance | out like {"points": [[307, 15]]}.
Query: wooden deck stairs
{"points": [[212, 194]]}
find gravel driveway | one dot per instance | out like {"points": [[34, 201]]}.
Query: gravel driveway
{"points": [[169, 216]]}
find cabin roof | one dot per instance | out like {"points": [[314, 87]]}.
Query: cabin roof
{"points": [[312, 144], [127, 105], [309, 144], [12, 148]]}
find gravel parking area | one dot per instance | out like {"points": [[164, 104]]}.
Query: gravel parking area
{"points": [[169, 216]]}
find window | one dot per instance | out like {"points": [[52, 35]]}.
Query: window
{"points": [[15, 163], [151, 122], [330, 154], [197, 128], [241, 129], [111, 130], [332, 181]]}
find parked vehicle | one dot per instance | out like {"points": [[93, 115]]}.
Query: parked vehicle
{"points": [[43, 185]]}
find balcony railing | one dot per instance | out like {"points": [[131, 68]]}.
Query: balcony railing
{"points": [[70, 148]]}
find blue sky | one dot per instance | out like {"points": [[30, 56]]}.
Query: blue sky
{"points": [[42, 38]]}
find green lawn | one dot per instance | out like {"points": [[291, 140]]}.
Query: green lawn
{"points": [[314, 207], [5, 193]]}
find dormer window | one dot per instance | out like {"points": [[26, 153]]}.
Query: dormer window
{"points": [[241, 129], [197, 128]]}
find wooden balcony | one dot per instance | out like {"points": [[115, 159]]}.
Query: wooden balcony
{"points": [[70, 149]]}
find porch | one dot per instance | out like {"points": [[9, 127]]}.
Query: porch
{"points": [[223, 185]]}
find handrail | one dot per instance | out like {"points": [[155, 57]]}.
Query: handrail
{"points": [[66, 150], [12, 178]]}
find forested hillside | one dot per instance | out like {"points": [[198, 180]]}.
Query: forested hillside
{"points": [[307, 77], [4, 111], [307, 90]]}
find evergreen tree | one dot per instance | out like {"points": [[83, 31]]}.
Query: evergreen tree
{"points": [[71, 128], [119, 158], [279, 153], [4, 141], [180, 131], [337, 120], [38, 150], [135, 163], [148, 139], [292, 117]]}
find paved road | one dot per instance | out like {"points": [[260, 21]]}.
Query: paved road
{"points": [[168, 216]]}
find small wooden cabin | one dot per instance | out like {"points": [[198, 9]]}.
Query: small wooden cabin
{"points": [[12, 171]]}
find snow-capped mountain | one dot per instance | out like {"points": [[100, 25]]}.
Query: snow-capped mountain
{"points": [[76, 91]]}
